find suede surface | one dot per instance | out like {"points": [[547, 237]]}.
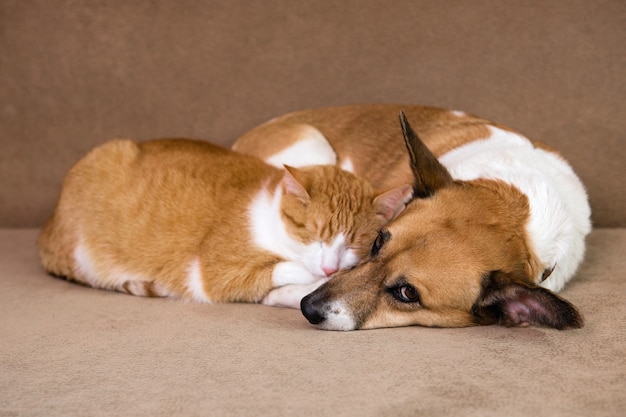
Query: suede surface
{"points": [[71, 350]]}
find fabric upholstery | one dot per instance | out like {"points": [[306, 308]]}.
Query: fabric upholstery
{"points": [[74, 74], [68, 350]]}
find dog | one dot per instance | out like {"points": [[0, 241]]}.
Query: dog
{"points": [[496, 226]]}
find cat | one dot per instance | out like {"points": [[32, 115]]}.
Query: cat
{"points": [[189, 219]]}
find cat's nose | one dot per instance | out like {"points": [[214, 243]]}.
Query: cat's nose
{"points": [[329, 270]]}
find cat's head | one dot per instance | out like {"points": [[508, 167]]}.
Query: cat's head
{"points": [[334, 216]]}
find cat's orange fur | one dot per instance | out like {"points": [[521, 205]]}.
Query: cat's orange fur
{"points": [[144, 218]]}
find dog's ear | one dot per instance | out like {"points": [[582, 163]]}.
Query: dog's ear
{"points": [[508, 300], [428, 173]]}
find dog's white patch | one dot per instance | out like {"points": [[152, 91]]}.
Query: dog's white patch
{"points": [[311, 148], [194, 283], [458, 113], [559, 209], [337, 317]]}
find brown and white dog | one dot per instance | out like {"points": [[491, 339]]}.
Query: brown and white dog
{"points": [[496, 226]]}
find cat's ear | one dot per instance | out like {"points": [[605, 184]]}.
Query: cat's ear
{"points": [[293, 184], [391, 203]]}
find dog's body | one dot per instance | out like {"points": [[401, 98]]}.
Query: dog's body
{"points": [[497, 223]]}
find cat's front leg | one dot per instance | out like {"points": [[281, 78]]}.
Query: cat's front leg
{"points": [[287, 272], [290, 295], [292, 281]]}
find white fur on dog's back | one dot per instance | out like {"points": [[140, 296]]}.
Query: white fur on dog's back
{"points": [[311, 149], [559, 210]]}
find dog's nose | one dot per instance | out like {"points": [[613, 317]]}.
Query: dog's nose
{"points": [[312, 314]]}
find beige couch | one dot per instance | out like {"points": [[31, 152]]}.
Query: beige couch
{"points": [[76, 73]]}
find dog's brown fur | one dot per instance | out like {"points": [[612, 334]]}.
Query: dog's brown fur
{"points": [[460, 245]]}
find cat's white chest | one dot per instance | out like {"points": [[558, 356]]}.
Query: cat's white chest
{"points": [[266, 226], [268, 232]]}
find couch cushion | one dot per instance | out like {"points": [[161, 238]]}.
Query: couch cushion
{"points": [[70, 350]]}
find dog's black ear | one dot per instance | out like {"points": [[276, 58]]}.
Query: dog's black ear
{"points": [[510, 301], [428, 173]]}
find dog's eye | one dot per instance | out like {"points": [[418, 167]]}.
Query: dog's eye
{"points": [[382, 237], [406, 293]]}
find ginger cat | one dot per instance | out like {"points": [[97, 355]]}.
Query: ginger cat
{"points": [[188, 219]]}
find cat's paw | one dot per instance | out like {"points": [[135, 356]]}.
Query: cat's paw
{"points": [[290, 295], [286, 273]]}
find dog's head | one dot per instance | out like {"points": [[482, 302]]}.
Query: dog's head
{"points": [[457, 256]]}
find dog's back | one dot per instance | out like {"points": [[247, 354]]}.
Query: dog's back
{"points": [[364, 137]]}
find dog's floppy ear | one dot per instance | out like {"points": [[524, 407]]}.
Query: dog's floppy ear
{"points": [[508, 300], [429, 175]]}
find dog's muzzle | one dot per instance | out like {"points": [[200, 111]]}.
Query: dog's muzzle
{"points": [[327, 314]]}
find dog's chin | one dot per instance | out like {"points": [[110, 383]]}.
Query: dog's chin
{"points": [[339, 326]]}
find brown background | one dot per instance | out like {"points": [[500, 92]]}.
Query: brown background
{"points": [[76, 73]]}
